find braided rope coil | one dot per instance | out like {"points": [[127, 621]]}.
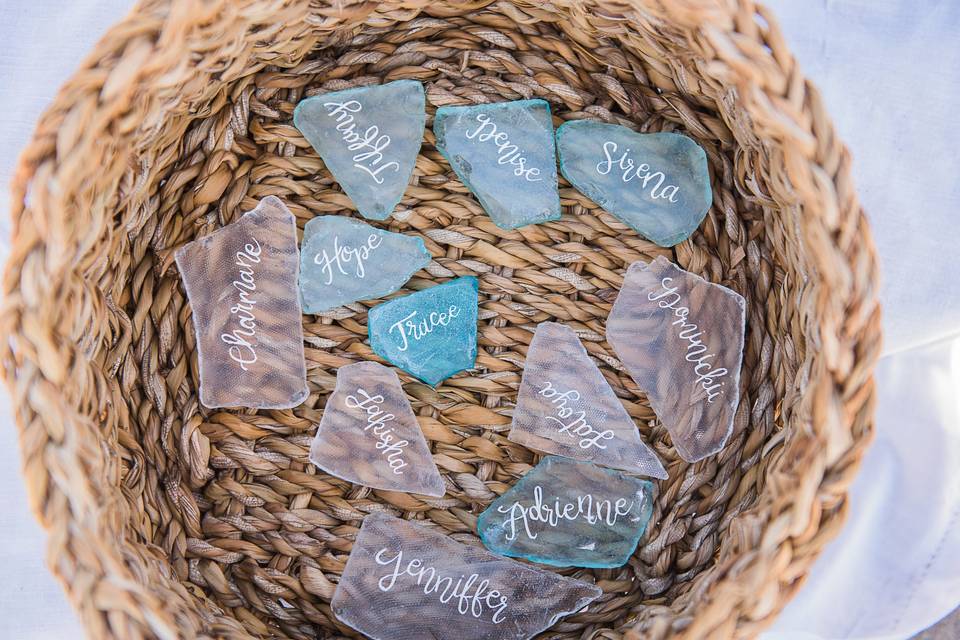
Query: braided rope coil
{"points": [[167, 520]]}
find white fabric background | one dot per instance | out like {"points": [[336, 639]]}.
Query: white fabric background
{"points": [[888, 70]]}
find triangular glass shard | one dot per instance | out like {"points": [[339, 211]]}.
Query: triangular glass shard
{"points": [[657, 183], [505, 154], [407, 582], [343, 260], [565, 406], [431, 334], [569, 513], [368, 434], [241, 281], [681, 339], [369, 138]]}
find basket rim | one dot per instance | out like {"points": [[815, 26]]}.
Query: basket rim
{"points": [[753, 61]]}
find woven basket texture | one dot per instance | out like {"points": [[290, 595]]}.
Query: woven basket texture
{"points": [[167, 520]]}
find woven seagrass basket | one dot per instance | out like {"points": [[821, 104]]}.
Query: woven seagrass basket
{"points": [[168, 520]]}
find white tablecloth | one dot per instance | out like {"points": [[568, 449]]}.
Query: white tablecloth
{"points": [[889, 72]]}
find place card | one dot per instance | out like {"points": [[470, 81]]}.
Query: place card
{"points": [[681, 339], [343, 260], [657, 183], [369, 138], [431, 334], [407, 582], [241, 282], [369, 436], [569, 513], [565, 406], [505, 154]]}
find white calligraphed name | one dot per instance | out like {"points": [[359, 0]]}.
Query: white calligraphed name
{"points": [[573, 422], [370, 143], [471, 597], [377, 421], [343, 255], [507, 152], [410, 329], [593, 510], [642, 172], [696, 350], [243, 341]]}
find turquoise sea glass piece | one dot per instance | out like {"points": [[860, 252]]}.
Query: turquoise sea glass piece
{"points": [[565, 406], [657, 183], [505, 154], [569, 513], [431, 334], [344, 260], [369, 138], [405, 581]]}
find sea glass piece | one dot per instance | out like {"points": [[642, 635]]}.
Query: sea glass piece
{"points": [[369, 138], [505, 154], [344, 260], [569, 513], [407, 582], [431, 334], [681, 339], [657, 183], [241, 281], [565, 406], [368, 434]]}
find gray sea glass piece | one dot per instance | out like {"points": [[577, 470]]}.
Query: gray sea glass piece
{"points": [[431, 334], [505, 154], [369, 435], [344, 260], [407, 582], [657, 183], [241, 281], [369, 138], [569, 513], [681, 339], [565, 406]]}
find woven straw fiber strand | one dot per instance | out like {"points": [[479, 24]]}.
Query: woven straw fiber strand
{"points": [[167, 520]]}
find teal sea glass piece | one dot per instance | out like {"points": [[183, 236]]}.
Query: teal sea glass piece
{"points": [[370, 436], [431, 334], [343, 260], [657, 183], [369, 138], [569, 513], [404, 581], [505, 154], [565, 406]]}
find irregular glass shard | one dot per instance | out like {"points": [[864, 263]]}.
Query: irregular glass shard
{"points": [[344, 260], [569, 513], [407, 582], [369, 138], [681, 339], [241, 281], [505, 154], [368, 434], [565, 406], [431, 334], [657, 183]]}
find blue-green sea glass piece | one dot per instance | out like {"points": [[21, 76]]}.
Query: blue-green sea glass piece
{"points": [[369, 138], [569, 513], [657, 183], [344, 260], [431, 334], [406, 581], [505, 154]]}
